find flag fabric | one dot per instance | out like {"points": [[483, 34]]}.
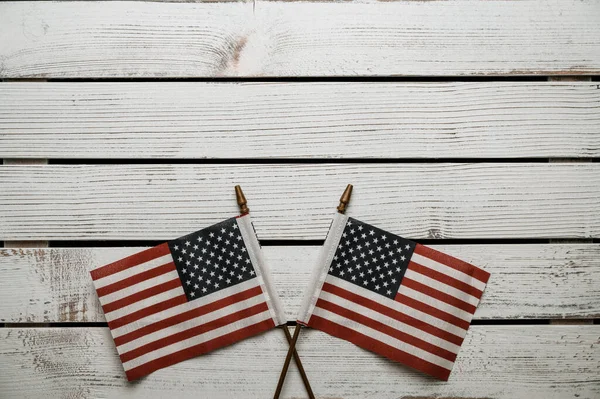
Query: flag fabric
{"points": [[188, 296], [392, 296]]}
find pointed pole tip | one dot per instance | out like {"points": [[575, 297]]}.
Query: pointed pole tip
{"points": [[345, 199], [241, 200]]}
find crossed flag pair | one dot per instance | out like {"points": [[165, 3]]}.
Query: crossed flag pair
{"points": [[211, 288]]}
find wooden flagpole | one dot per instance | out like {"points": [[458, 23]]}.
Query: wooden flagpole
{"points": [[344, 200], [243, 204]]}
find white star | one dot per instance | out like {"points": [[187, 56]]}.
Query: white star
{"points": [[394, 280], [199, 238], [187, 262], [385, 284], [407, 246], [180, 259], [187, 243], [192, 274], [183, 251], [377, 287], [195, 246], [352, 231], [348, 223], [365, 282], [223, 230], [238, 238], [247, 260], [389, 292], [252, 272], [403, 257], [195, 286], [353, 278], [244, 269], [220, 277], [243, 249], [184, 271], [219, 238], [204, 270], [371, 232], [234, 226], [211, 235], [360, 227], [192, 294], [188, 282], [176, 247], [196, 266], [240, 276], [204, 289], [228, 281]]}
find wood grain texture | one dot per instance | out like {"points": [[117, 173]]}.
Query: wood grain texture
{"points": [[300, 120], [296, 201], [495, 362], [410, 38], [531, 281]]}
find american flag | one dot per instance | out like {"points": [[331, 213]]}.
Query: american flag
{"points": [[392, 296], [187, 297]]}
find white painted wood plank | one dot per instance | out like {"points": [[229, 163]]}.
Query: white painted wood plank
{"points": [[528, 281], [296, 201], [300, 120], [495, 362], [262, 38]]}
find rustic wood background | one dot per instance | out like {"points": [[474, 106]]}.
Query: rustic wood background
{"points": [[471, 125]]}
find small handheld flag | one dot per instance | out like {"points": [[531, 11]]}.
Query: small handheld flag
{"points": [[188, 296], [392, 296]]}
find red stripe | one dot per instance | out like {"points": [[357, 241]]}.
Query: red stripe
{"points": [[392, 332], [200, 349], [130, 261], [444, 278], [452, 262], [138, 296], [442, 296], [159, 307], [137, 278], [378, 347], [196, 312], [430, 310], [394, 314], [194, 331]]}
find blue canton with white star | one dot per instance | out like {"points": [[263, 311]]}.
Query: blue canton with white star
{"points": [[211, 259], [371, 258]]}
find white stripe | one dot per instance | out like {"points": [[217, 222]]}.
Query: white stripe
{"points": [[384, 338], [134, 289], [431, 301], [391, 322], [184, 307], [447, 270], [400, 307], [198, 339], [132, 271], [439, 286], [153, 300], [186, 325]]}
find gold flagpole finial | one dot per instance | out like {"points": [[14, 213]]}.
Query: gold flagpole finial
{"points": [[241, 200], [345, 199]]}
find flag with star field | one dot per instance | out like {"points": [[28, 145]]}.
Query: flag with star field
{"points": [[392, 296], [187, 297]]}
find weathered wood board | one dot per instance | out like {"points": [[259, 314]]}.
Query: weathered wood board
{"points": [[226, 120], [296, 201], [509, 362], [528, 281], [262, 38]]}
